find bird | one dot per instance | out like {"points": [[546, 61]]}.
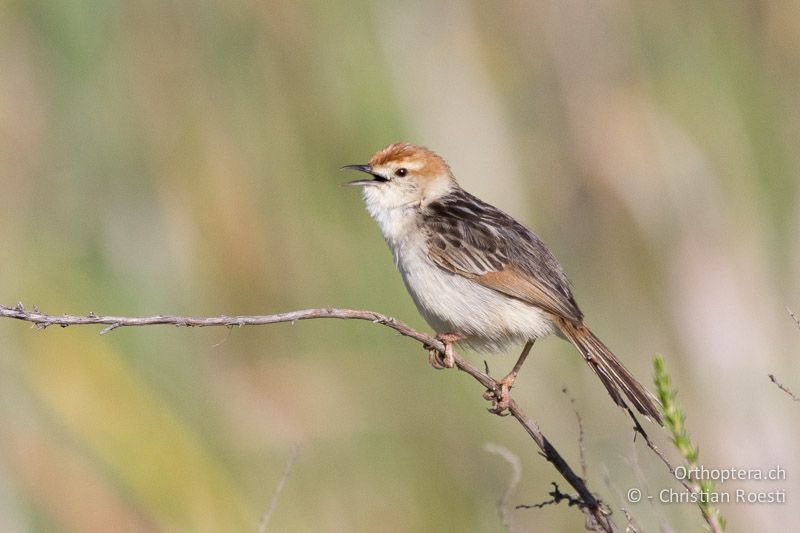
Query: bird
{"points": [[478, 277]]}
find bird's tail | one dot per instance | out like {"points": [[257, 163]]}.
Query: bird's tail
{"points": [[610, 370]]}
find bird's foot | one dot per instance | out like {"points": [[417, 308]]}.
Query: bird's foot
{"points": [[439, 359], [500, 395]]}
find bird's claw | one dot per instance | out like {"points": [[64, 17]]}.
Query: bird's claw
{"points": [[446, 359], [500, 397], [437, 359]]}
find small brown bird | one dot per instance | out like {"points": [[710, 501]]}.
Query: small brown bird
{"points": [[478, 276]]}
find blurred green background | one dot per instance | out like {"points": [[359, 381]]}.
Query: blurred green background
{"points": [[181, 157]]}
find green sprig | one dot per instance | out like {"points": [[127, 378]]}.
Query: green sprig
{"points": [[674, 421]]}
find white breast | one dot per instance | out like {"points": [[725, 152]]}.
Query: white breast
{"points": [[451, 303]]}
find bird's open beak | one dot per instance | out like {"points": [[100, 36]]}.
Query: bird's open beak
{"points": [[376, 178]]}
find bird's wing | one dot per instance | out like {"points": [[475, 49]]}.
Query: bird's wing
{"points": [[469, 237]]}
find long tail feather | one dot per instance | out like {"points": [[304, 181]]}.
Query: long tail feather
{"points": [[616, 378]]}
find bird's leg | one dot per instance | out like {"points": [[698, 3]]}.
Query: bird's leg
{"points": [[440, 360], [501, 398]]}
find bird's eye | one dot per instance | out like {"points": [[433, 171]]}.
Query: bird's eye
{"points": [[400, 172]]}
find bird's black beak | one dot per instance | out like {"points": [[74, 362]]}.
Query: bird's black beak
{"points": [[376, 178]]}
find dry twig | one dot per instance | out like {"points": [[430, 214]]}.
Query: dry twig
{"points": [[639, 430], [772, 377], [794, 317], [581, 444], [597, 515], [783, 387]]}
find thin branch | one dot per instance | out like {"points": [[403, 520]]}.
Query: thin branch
{"points": [[597, 515], [631, 527], [794, 317], [287, 469], [772, 377], [557, 497], [42, 320], [516, 475], [783, 387], [639, 430], [581, 444]]}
